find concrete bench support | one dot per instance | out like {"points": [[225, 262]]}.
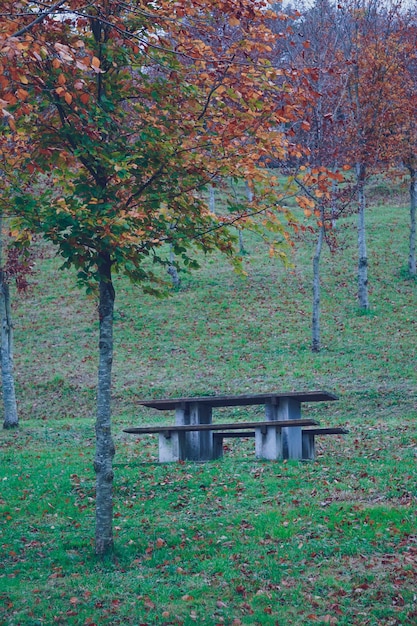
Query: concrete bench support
{"points": [[269, 443], [171, 446], [309, 439]]}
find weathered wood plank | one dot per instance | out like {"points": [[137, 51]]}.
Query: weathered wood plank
{"points": [[165, 404], [336, 430], [202, 427], [235, 434]]}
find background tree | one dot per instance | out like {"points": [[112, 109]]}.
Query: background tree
{"points": [[11, 419], [405, 135], [371, 53], [312, 47], [131, 110], [15, 267]]}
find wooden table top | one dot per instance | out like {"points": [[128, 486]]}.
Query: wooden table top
{"points": [[165, 404]]}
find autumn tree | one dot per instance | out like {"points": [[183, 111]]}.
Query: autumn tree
{"points": [[311, 47], [359, 52], [372, 54], [405, 136], [11, 419], [15, 267], [130, 110]]}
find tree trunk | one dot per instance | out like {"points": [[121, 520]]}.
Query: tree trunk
{"points": [[363, 258], [249, 191], [316, 344], [334, 204], [413, 202], [104, 443], [242, 249], [249, 197], [172, 270], [212, 199], [11, 419]]}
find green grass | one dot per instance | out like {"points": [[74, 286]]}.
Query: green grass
{"points": [[236, 541]]}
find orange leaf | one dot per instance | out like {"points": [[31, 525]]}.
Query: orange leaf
{"points": [[149, 604], [68, 97], [22, 94], [56, 63], [95, 62]]}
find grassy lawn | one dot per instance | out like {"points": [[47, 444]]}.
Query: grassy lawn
{"points": [[236, 541]]}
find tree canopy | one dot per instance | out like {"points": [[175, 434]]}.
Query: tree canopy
{"points": [[130, 110]]}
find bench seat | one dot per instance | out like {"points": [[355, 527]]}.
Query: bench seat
{"points": [[174, 445], [308, 438], [159, 428], [268, 444]]}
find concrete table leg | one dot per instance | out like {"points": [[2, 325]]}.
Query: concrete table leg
{"points": [[197, 446], [291, 438]]}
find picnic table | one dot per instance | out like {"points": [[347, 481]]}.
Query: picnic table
{"points": [[194, 436]]}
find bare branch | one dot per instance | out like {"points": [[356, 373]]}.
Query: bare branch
{"points": [[39, 19]]}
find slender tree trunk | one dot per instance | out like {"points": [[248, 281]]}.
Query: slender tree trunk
{"points": [[242, 249], [316, 343], [212, 199], [363, 257], [104, 443], [413, 203], [11, 419], [249, 197], [334, 205], [172, 270], [249, 191]]}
